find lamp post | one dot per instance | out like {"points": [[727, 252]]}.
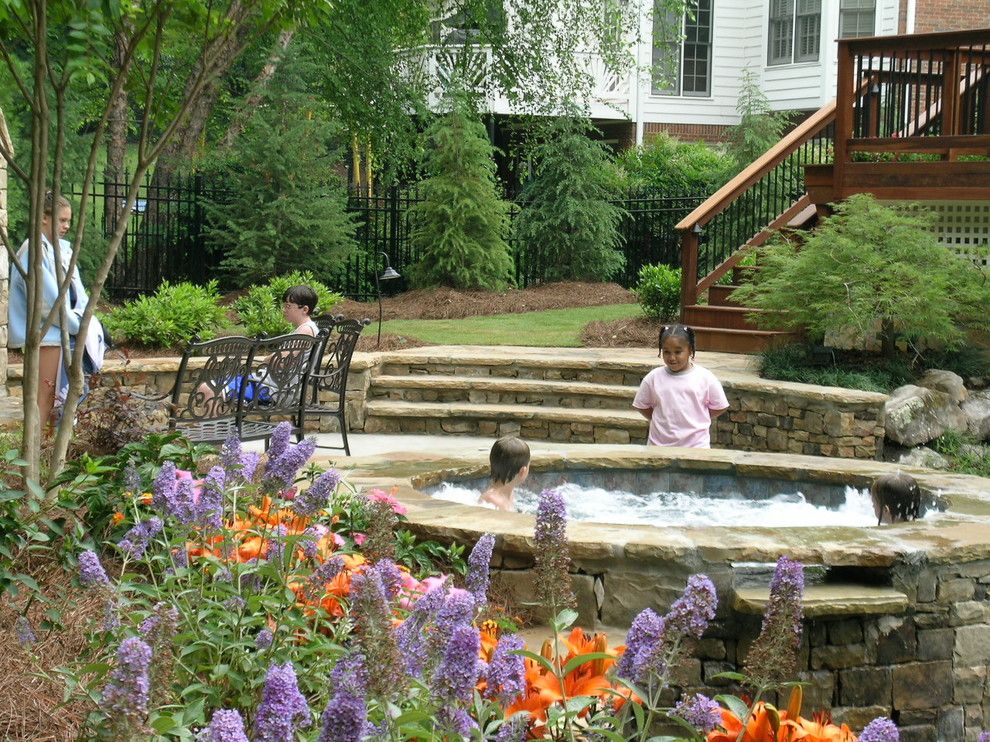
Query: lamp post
{"points": [[387, 275]]}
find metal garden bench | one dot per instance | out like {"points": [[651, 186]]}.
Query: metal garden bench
{"points": [[241, 385]]}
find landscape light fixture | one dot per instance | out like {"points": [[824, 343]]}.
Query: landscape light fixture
{"points": [[387, 275]]}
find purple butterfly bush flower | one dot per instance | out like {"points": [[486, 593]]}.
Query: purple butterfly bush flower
{"points": [[264, 639], [311, 501], [91, 572], [411, 633], [210, 507], [984, 737], [506, 677], [458, 671], [24, 632], [179, 501], [276, 544], [161, 624], [234, 603], [283, 708], [238, 465], [281, 470], [135, 541], [456, 720], [478, 569], [691, 613], [391, 576], [279, 440], [225, 726], [883, 729], [514, 729], [699, 711], [163, 488], [773, 656], [644, 635], [324, 573], [346, 716], [125, 696], [552, 553], [132, 478], [111, 614]]}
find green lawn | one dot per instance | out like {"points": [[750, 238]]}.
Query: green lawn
{"points": [[555, 328]]}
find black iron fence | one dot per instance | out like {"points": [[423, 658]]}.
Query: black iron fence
{"points": [[166, 237]]}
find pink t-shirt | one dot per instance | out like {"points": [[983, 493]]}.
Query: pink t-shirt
{"points": [[681, 404]]}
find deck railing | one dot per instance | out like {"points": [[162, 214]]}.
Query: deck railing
{"points": [[923, 93], [764, 196]]}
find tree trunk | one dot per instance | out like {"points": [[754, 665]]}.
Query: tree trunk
{"points": [[260, 83], [116, 140]]}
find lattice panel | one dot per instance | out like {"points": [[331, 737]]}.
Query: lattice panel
{"points": [[964, 227]]}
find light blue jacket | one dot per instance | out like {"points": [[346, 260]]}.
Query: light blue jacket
{"points": [[17, 304]]}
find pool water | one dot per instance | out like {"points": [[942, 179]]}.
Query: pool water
{"points": [[665, 508]]}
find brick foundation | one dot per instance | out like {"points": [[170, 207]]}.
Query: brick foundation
{"points": [[709, 133]]}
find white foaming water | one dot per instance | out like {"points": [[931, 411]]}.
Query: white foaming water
{"points": [[686, 509]]}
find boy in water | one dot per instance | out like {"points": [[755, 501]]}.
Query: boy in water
{"points": [[896, 498], [509, 459]]}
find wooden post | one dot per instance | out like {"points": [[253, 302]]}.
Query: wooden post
{"points": [[689, 268], [951, 98], [843, 114]]}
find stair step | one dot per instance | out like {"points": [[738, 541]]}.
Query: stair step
{"points": [[739, 341], [729, 318], [720, 295], [743, 273], [500, 390], [527, 421]]}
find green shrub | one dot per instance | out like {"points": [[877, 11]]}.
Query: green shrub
{"points": [[808, 364], [568, 228], [871, 269], [174, 314], [965, 454], [677, 168], [260, 309], [659, 291], [460, 226]]}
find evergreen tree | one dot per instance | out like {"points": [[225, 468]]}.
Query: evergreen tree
{"points": [[459, 228], [568, 227], [284, 208]]}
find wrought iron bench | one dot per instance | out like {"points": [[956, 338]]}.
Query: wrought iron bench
{"points": [[326, 393], [241, 385]]}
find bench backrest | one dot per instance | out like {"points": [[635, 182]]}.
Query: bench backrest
{"points": [[205, 372], [335, 361], [283, 365]]}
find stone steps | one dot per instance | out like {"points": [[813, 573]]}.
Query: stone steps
{"points": [[575, 425], [500, 390]]}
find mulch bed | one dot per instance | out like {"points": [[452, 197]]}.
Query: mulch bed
{"points": [[638, 332]]}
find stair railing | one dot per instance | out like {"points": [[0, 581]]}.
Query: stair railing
{"points": [[743, 213]]}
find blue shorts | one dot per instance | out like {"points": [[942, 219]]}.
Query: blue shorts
{"points": [[252, 389]]}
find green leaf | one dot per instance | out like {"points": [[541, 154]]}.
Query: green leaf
{"points": [[538, 658], [730, 675], [734, 704], [563, 620], [580, 659], [163, 723]]}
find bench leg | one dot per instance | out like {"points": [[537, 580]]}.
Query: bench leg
{"points": [[343, 434]]}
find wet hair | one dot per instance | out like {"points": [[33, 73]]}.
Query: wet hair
{"points": [[897, 494], [676, 331], [302, 295], [508, 456], [49, 205]]}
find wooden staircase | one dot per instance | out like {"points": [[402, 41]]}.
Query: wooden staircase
{"points": [[937, 85]]}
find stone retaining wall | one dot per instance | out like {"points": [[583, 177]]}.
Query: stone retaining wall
{"points": [[925, 665], [798, 418]]}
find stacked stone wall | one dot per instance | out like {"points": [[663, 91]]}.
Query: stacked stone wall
{"points": [[926, 666]]}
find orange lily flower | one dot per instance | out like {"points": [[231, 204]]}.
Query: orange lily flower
{"points": [[813, 731], [759, 727]]}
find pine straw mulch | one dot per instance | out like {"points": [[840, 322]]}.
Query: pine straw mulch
{"points": [[30, 691], [638, 332]]}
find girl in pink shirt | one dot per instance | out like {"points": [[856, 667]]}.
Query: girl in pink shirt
{"points": [[680, 398]]}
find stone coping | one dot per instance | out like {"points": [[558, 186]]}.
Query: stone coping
{"points": [[828, 600], [961, 534]]}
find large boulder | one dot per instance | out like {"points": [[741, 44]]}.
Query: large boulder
{"points": [[916, 415], [977, 411], [925, 458], [945, 381]]}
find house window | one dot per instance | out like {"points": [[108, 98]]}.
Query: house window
{"points": [[795, 31], [856, 18], [683, 66]]}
